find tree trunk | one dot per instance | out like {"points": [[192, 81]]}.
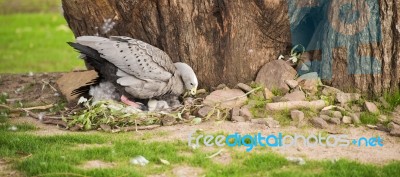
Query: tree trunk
{"points": [[229, 41]]}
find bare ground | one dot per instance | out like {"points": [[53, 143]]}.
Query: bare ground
{"points": [[38, 90]]}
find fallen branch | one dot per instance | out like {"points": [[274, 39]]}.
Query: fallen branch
{"points": [[290, 105], [241, 96], [136, 128], [215, 154], [40, 107]]}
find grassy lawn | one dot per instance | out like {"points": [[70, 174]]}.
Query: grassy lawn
{"points": [[63, 155], [36, 42]]}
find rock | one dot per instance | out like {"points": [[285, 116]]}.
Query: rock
{"points": [[325, 117], [168, 120], [337, 114], [297, 115], [356, 108], [334, 121], [372, 126], [105, 127], [331, 107], [203, 112], [326, 112], [347, 97], [292, 83], [382, 118], [290, 105], [235, 112], [384, 103], [396, 120], [297, 160], [221, 97], [371, 107], [346, 120], [244, 87], [294, 96], [139, 160], [201, 91], [245, 112], [74, 80], [221, 87], [276, 99], [330, 91], [319, 123], [308, 76], [269, 122], [394, 129], [273, 75], [355, 118], [238, 119], [268, 94], [310, 85]]}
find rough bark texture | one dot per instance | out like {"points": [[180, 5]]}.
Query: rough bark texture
{"points": [[229, 41]]}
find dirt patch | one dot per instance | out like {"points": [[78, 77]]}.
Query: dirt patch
{"points": [[42, 129], [377, 155], [30, 90], [96, 164], [6, 170], [187, 171], [223, 158]]}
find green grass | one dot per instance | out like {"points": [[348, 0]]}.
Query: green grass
{"points": [[369, 118], [393, 99], [37, 43], [61, 155]]}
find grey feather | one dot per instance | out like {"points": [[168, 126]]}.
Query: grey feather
{"points": [[143, 70]]}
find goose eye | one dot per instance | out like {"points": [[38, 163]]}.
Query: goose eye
{"points": [[191, 84]]}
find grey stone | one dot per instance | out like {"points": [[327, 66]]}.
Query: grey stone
{"points": [[319, 123], [203, 112], [310, 85], [355, 118], [371, 107], [384, 103], [225, 98], [268, 94], [244, 87], [221, 86], [325, 112], [337, 114], [245, 112], [308, 76], [330, 91], [297, 117], [235, 112], [382, 118], [294, 96], [346, 120], [347, 97], [394, 129], [269, 122], [273, 75], [325, 117], [276, 99], [292, 83], [396, 120], [334, 121], [356, 108], [238, 119]]}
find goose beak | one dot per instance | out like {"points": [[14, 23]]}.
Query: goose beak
{"points": [[193, 91]]}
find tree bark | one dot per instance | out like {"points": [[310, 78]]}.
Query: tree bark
{"points": [[229, 41]]}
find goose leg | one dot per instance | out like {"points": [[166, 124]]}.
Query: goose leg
{"points": [[136, 105]]}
